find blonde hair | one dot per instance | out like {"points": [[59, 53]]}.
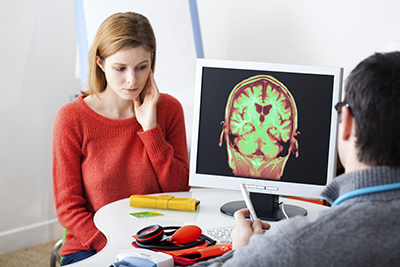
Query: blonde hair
{"points": [[118, 32]]}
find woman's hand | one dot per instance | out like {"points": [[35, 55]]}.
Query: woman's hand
{"points": [[244, 229], [146, 111]]}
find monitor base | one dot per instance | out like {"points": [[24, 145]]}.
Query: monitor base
{"points": [[231, 207]]}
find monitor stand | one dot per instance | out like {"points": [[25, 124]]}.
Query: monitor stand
{"points": [[266, 206]]}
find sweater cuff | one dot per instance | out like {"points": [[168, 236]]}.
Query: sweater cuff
{"points": [[153, 140], [99, 241]]}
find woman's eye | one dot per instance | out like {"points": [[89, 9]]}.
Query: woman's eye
{"points": [[120, 69], [142, 67]]}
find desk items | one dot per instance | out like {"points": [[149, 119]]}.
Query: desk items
{"points": [[154, 234], [142, 257], [145, 214], [171, 237], [164, 202], [186, 244]]}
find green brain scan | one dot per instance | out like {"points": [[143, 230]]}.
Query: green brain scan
{"points": [[260, 128]]}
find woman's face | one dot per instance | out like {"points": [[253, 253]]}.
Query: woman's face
{"points": [[127, 71]]}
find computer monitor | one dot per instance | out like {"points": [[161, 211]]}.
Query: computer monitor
{"points": [[270, 126]]}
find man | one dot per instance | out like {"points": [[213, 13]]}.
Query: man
{"points": [[362, 230]]}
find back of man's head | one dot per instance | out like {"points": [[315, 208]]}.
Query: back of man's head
{"points": [[373, 93]]}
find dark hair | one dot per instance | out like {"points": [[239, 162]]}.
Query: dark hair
{"points": [[373, 93]]}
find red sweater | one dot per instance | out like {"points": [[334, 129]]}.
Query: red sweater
{"points": [[97, 160]]}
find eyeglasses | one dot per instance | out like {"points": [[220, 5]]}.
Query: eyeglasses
{"points": [[339, 106]]}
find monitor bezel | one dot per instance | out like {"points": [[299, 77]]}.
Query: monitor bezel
{"points": [[260, 185]]}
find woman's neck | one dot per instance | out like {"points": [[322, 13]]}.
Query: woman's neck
{"points": [[110, 105]]}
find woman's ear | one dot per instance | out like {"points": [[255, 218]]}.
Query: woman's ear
{"points": [[100, 62]]}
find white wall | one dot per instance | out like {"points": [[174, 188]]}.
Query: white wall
{"points": [[312, 32], [37, 74]]}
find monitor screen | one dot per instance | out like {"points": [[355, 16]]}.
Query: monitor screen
{"points": [[270, 126]]}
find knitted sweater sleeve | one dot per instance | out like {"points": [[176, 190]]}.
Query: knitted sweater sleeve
{"points": [[166, 146], [68, 192]]}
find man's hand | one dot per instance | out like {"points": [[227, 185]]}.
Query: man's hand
{"points": [[244, 229], [146, 112]]}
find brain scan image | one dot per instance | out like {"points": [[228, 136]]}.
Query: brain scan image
{"points": [[260, 128]]}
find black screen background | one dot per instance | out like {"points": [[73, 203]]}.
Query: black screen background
{"points": [[313, 97]]}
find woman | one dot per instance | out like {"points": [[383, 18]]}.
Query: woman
{"points": [[121, 137]]}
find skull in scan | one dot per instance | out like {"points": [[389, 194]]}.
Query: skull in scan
{"points": [[260, 128]]}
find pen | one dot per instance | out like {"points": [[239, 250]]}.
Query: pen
{"points": [[249, 205]]}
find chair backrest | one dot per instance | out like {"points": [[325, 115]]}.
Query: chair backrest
{"points": [[55, 255]]}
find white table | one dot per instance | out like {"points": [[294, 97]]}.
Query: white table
{"points": [[118, 225]]}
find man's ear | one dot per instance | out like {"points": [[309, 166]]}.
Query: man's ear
{"points": [[100, 62], [348, 123]]}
